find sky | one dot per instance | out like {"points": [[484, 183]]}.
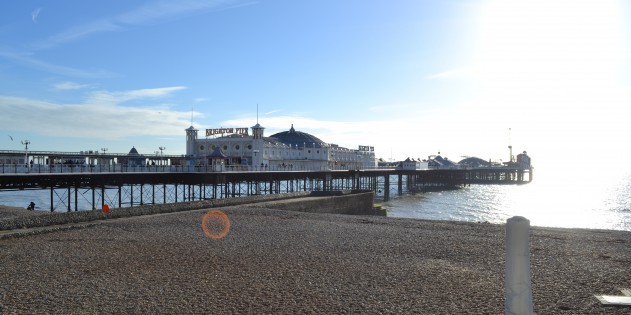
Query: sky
{"points": [[411, 78]]}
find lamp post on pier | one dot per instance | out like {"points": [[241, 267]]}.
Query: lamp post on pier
{"points": [[161, 155], [26, 143], [103, 159]]}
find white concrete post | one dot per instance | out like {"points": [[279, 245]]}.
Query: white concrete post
{"points": [[517, 286]]}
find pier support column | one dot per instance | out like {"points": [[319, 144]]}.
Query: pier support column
{"points": [[52, 191], [386, 187]]}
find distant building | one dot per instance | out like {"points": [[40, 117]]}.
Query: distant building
{"points": [[523, 160], [226, 148], [412, 164], [439, 162], [133, 158], [474, 162]]}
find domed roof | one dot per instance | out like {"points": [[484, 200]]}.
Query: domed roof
{"points": [[133, 151], [298, 138]]}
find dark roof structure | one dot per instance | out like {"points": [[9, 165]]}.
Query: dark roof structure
{"points": [[439, 161], [474, 162], [298, 138]]}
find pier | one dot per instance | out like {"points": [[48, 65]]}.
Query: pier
{"points": [[92, 188]]}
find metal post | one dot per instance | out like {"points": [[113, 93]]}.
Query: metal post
{"points": [[51, 199], [161, 155], [76, 203], [386, 187], [517, 282], [26, 143], [131, 195]]}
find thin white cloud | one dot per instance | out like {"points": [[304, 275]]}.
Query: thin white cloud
{"points": [[102, 25], [28, 60], [151, 13], [95, 118], [69, 86], [167, 9], [35, 14], [105, 97]]}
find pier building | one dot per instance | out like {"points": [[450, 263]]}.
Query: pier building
{"points": [[287, 150]]}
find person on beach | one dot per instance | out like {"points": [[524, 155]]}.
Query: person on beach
{"points": [[31, 206]]}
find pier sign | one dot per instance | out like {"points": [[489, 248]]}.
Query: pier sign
{"points": [[221, 131]]}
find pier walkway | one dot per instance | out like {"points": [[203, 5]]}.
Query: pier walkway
{"points": [[92, 188]]}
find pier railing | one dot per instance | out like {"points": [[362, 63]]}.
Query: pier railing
{"points": [[120, 168], [72, 186]]}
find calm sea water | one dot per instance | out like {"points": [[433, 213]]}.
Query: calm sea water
{"points": [[569, 198]]}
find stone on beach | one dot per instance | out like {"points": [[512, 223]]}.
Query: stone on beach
{"points": [[283, 262]]}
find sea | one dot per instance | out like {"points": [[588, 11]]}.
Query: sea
{"points": [[564, 198]]}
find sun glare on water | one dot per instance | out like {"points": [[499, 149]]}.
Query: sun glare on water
{"points": [[574, 198]]}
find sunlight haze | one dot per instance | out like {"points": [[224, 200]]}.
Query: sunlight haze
{"points": [[411, 78]]}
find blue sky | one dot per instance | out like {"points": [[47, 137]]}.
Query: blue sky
{"points": [[409, 77]]}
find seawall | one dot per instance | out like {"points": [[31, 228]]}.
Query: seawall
{"points": [[341, 202]]}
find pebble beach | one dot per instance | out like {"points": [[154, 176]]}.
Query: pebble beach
{"points": [[284, 262]]}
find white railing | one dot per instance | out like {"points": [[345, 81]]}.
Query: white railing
{"points": [[70, 168]]}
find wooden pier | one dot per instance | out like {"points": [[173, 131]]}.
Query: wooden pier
{"points": [[73, 191]]}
